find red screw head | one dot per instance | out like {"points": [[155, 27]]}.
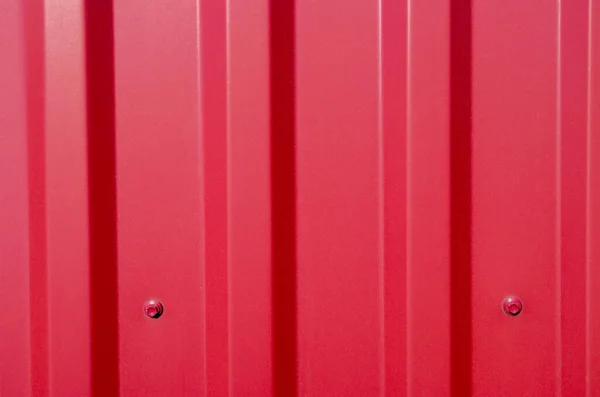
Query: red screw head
{"points": [[512, 305], [153, 309]]}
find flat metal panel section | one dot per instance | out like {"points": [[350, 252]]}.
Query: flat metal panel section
{"points": [[516, 198], [330, 198], [159, 221]]}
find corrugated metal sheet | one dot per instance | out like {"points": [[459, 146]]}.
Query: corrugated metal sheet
{"points": [[330, 198]]}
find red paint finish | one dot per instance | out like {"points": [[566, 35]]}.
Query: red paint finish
{"points": [[393, 119], [516, 197], [14, 205], [299, 198], [153, 309], [428, 199], [67, 214], [512, 305], [574, 86], [338, 194], [159, 221], [592, 319], [249, 200], [213, 163]]}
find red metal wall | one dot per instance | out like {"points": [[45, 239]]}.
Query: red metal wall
{"points": [[330, 198]]}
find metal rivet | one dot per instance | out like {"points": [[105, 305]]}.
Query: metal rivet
{"points": [[512, 305], [153, 309]]}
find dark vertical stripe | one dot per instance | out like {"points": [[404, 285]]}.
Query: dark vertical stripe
{"points": [[283, 195], [460, 205], [102, 196]]}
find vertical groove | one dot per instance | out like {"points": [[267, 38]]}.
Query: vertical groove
{"points": [[283, 195], [571, 147], [35, 63], [460, 197], [228, 198], [202, 187], [408, 182], [381, 203], [100, 82], [558, 209], [392, 151], [588, 207], [212, 91]]}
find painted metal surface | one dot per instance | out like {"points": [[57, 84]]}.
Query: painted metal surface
{"points": [[299, 198]]}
